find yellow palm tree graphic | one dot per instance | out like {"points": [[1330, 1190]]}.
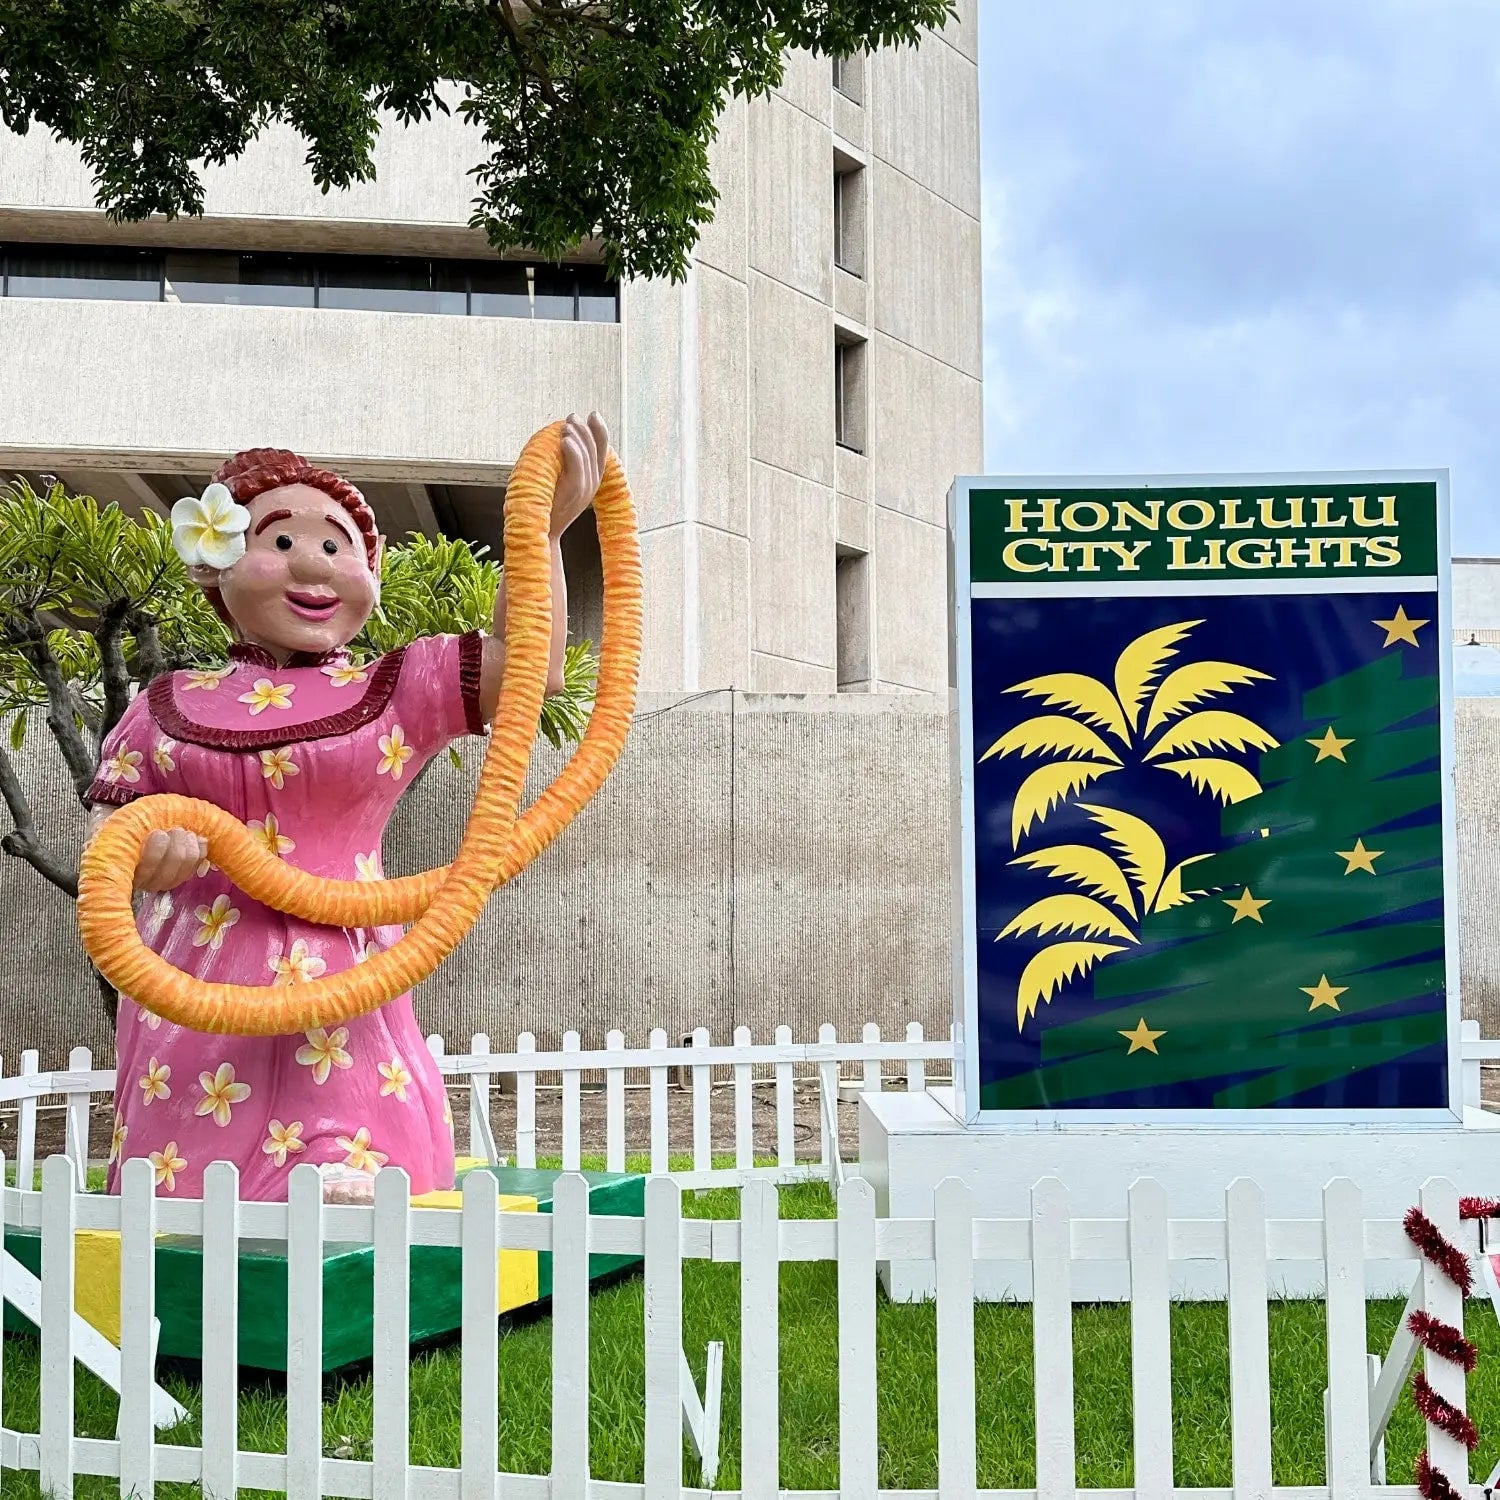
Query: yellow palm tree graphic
{"points": [[1154, 719]]}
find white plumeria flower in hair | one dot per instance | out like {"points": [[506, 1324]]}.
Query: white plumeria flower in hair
{"points": [[211, 529]]}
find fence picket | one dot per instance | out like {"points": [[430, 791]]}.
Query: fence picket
{"points": [[304, 1334], [702, 1121], [1347, 1438], [76, 1126], [479, 1100], [614, 1107], [916, 1069], [658, 1042], [1052, 1340], [760, 1347], [391, 1447], [872, 1075], [858, 1446], [26, 1128], [572, 1106], [59, 1222], [570, 1336], [1249, 1340], [663, 1255], [1443, 1300], [1150, 1340], [828, 1088], [786, 1128], [953, 1247], [221, 1312], [526, 1107], [479, 1371], [744, 1107], [137, 1332], [2, 1284]]}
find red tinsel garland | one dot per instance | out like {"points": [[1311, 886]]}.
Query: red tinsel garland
{"points": [[1443, 1413], [1443, 1339], [1433, 1244], [1433, 1483]]}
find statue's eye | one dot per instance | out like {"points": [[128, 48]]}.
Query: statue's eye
{"points": [[284, 542], [331, 547]]}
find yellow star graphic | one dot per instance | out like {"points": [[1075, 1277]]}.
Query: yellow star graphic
{"points": [[1142, 1039], [1330, 746], [1359, 858], [1324, 993], [1245, 905], [1401, 627]]}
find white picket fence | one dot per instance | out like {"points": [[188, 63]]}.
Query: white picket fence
{"points": [[1052, 1241]]}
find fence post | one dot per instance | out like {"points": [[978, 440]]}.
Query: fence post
{"points": [[572, 1105], [59, 1223], [479, 1376], [786, 1119], [1347, 1434], [872, 1070], [479, 1102], [525, 1106], [1150, 1340], [703, 1156], [76, 1130], [828, 1102], [221, 1312], [1052, 1340], [137, 1328], [744, 1107], [570, 1336], [26, 1128], [658, 1043], [916, 1067], [1473, 1068], [614, 1107], [304, 1334], [663, 1253], [391, 1445], [1443, 1300], [1249, 1340], [858, 1450], [953, 1268], [760, 1346]]}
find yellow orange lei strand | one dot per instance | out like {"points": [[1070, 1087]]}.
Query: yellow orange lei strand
{"points": [[442, 904]]}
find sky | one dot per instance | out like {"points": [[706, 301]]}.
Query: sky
{"points": [[1227, 235]]}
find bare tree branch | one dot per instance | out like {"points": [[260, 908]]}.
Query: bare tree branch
{"points": [[61, 718], [22, 841], [115, 674], [532, 64]]}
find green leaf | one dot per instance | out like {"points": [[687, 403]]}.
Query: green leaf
{"points": [[455, 759], [18, 731]]}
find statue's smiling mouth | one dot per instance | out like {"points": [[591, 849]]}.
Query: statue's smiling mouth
{"points": [[312, 606]]}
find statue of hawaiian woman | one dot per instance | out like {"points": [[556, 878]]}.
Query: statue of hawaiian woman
{"points": [[312, 751]]}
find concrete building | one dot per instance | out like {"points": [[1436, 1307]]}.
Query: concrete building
{"points": [[1476, 598], [790, 417]]}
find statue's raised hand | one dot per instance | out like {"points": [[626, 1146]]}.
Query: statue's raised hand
{"points": [[585, 445]]}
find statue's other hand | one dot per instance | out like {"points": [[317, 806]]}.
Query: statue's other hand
{"points": [[169, 858]]}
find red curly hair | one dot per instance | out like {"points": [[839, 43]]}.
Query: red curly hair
{"points": [[257, 470]]}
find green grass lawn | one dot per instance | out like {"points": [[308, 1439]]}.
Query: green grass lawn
{"points": [[809, 1387]]}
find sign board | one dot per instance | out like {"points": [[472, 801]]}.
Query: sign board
{"points": [[1204, 842]]}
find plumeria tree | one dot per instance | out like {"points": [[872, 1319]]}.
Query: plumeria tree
{"points": [[95, 603]]}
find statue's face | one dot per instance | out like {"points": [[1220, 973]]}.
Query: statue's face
{"points": [[304, 583]]}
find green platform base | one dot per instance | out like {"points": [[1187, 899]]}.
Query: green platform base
{"points": [[348, 1280]]}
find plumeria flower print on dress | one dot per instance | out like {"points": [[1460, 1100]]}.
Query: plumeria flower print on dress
{"points": [[154, 1085], [394, 753], [210, 531], [342, 673], [277, 765], [213, 922], [268, 831], [267, 694], [161, 754], [361, 1157], [118, 1139], [147, 1018], [167, 1164], [396, 1080], [124, 765], [324, 1051], [298, 967], [282, 1140], [208, 680], [367, 866], [220, 1094]]}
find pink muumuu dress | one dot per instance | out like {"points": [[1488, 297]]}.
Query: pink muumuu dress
{"points": [[313, 757]]}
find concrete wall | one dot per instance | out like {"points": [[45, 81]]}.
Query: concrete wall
{"points": [[783, 862], [1476, 594]]}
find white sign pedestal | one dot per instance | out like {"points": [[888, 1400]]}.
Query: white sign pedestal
{"points": [[908, 1143]]}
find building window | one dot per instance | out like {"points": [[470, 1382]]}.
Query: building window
{"points": [[849, 77], [457, 288], [852, 616], [849, 217], [849, 392]]}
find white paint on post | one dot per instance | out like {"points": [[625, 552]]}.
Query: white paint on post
{"points": [[663, 1297], [137, 1328], [744, 1107], [571, 1105], [76, 1130], [479, 1370], [871, 1038], [614, 1107], [479, 1100], [916, 1069], [858, 1413], [1249, 1341], [391, 1447], [760, 1349], [525, 1106], [26, 1128], [1443, 1300], [304, 1334], [828, 1100], [221, 1312], [786, 1131], [953, 1249], [1347, 1433], [702, 1121], [570, 1336], [59, 1210], [659, 1147], [1150, 1341], [1052, 1340]]}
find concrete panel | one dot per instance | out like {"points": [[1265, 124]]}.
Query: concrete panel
{"points": [[927, 425], [723, 609], [663, 584], [808, 84], [962, 31], [852, 472], [851, 296], [792, 567], [1476, 593], [925, 259], [421, 394], [791, 380], [777, 674], [654, 319], [911, 612], [791, 185], [723, 241], [723, 401], [851, 120], [923, 105], [852, 528]]}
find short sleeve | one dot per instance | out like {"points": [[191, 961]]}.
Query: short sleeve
{"points": [[127, 759], [437, 694]]}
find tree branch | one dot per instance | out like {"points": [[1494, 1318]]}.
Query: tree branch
{"points": [[149, 662], [61, 719], [529, 60], [22, 841], [115, 674]]}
